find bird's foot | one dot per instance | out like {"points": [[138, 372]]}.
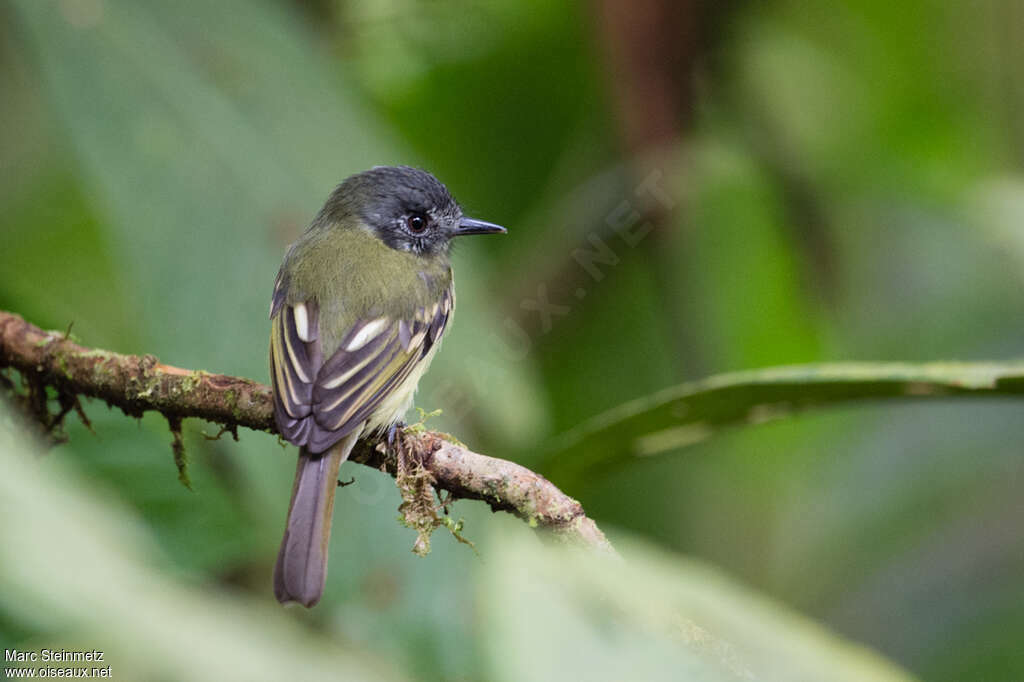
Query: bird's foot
{"points": [[395, 436], [400, 445]]}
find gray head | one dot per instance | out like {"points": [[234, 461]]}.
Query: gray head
{"points": [[407, 208]]}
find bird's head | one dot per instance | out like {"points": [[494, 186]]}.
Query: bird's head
{"points": [[406, 208]]}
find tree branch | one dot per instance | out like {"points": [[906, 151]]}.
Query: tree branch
{"points": [[137, 384]]}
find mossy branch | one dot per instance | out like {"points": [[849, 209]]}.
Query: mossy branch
{"points": [[137, 384]]}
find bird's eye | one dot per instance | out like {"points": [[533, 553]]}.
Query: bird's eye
{"points": [[416, 223]]}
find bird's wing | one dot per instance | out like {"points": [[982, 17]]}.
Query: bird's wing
{"points": [[295, 359], [317, 402]]}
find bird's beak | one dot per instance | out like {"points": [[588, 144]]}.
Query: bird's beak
{"points": [[474, 226]]}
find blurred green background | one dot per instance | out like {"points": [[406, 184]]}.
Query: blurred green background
{"points": [[799, 182]]}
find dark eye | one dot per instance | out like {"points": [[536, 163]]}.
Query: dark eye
{"points": [[416, 223]]}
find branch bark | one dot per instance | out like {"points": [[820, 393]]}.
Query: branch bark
{"points": [[137, 384]]}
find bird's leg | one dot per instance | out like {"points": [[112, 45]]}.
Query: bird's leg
{"points": [[397, 445], [393, 434]]}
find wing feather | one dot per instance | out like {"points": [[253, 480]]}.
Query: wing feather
{"points": [[280, 288], [294, 364], [317, 402], [335, 407]]}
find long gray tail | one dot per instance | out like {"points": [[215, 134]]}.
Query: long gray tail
{"points": [[301, 569]]}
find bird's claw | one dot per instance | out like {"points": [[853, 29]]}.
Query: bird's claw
{"points": [[393, 432]]}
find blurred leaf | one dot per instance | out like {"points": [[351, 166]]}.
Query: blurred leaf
{"points": [[747, 291], [860, 105], [57, 266], [650, 617], [693, 411], [191, 174], [997, 209], [464, 80], [86, 572]]}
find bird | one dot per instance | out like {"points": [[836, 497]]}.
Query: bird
{"points": [[359, 308]]}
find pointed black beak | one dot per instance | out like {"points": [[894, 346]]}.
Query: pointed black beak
{"points": [[474, 226]]}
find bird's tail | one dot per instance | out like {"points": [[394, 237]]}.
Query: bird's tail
{"points": [[301, 568]]}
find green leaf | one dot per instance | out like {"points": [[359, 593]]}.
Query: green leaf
{"points": [[84, 568], [691, 412], [205, 158], [652, 616]]}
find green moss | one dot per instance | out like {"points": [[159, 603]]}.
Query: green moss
{"points": [[147, 387], [62, 365], [418, 510], [455, 528], [181, 462], [494, 489], [450, 438], [231, 399], [421, 425], [191, 381], [178, 448], [101, 372], [96, 353]]}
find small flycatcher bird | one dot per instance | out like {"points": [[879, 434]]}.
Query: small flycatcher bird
{"points": [[359, 307]]}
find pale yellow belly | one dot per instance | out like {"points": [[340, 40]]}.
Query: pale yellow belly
{"points": [[393, 408]]}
